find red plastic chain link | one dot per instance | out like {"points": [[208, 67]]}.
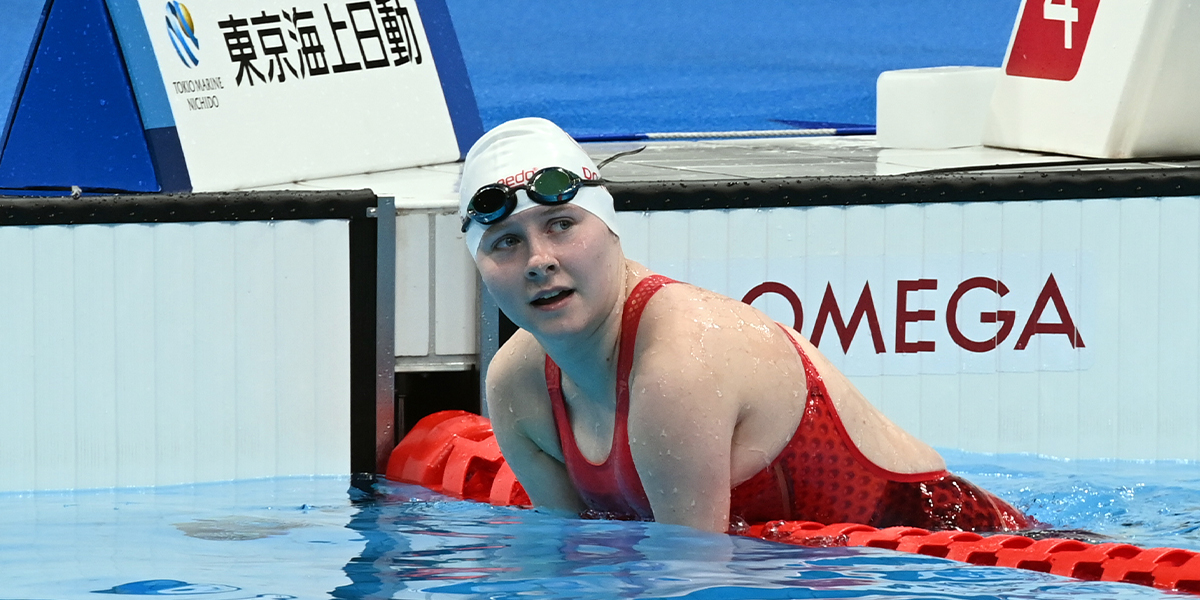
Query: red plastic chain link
{"points": [[455, 452]]}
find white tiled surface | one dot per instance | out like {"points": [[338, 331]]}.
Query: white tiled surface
{"points": [[456, 303], [160, 354], [431, 187], [436, 293], [436, 186], [413, 283], [789, 157], [849, 156]]}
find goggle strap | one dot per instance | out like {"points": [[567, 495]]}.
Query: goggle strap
{"points": [[618, 155]]}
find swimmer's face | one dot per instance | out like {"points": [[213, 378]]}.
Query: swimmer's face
{"points": [[554, 270]]}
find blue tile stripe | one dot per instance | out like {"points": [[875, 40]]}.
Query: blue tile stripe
{"points": [[452, 70], [141, 64]]}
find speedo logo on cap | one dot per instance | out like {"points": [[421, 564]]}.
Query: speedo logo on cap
{"points": [[527, 174]]}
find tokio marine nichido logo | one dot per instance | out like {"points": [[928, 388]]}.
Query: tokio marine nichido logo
{"points": [[182, 31]]}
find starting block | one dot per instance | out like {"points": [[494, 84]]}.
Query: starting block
{"points": [[1111, 79]]}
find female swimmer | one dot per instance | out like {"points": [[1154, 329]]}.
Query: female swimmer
{"points": [[628, 395]]}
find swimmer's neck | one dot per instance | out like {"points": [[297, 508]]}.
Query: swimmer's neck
{"points": [[589, 361]]}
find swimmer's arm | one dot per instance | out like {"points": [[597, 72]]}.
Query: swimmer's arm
{"points": [[543, 476], [519, 408], [681, 442]]}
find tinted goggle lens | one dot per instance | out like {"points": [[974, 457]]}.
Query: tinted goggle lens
{"points": [[490, 203], [553, 185]]}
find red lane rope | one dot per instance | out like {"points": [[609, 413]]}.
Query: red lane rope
{"points": [[455, 453]]}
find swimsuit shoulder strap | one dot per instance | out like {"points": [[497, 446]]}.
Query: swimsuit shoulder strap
{"points": [[812, 377], [631, 316]]}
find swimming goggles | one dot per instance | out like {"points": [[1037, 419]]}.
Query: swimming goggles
{"points": [[494, 202]]}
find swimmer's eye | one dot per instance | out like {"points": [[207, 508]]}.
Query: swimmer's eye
{"points": [[505, 241]]}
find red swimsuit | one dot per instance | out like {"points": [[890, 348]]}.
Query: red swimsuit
{"points": [[819, 476]]}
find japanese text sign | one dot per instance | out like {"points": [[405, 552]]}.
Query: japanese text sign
{"points": [[264, 92]]}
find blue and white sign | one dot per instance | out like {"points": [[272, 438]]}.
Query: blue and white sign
{"points": [[210, 95], [264, 92]]}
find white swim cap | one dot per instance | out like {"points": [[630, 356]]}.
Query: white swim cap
{"points": [[511, 153]]}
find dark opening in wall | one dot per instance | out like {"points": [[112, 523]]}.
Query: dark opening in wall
{"points": [[507, 328], [422, 394]]}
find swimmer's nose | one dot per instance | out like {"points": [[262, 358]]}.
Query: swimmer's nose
{"points": [[541, 261], [540, 267]]}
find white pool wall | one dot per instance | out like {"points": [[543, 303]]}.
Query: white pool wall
{"points": [[159, 354], [153, 354]]}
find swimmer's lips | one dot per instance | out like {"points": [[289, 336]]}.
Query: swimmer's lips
{"points": [[552, 298]]}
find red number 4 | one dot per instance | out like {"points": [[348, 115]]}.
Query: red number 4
{"points": [[1051, 38]]}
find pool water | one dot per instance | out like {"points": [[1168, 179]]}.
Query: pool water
{"points": [[309, 538], [1145, 503]]}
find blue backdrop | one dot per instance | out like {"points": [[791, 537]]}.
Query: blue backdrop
{"points": [[632, 66]]}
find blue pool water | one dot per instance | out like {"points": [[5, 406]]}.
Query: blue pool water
{"points": [[307, 538], [1146, 503], [628, 66]]}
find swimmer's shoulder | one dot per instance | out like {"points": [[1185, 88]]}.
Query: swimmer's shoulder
{"points": [[517, 399], [517, 369], [692, 332], [682, 308], [684, 321]]}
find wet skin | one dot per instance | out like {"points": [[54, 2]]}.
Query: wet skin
{"points": [[716, 390]]}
